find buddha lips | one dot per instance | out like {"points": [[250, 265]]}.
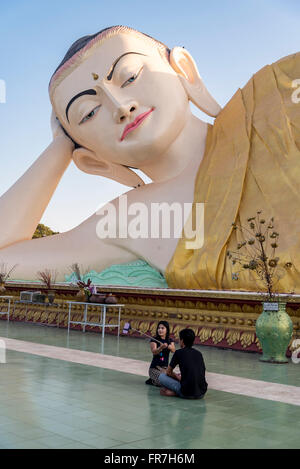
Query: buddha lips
{"points": [[133, 125]]}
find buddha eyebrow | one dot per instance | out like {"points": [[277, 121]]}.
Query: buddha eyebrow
{"points": [[89, 92], [109, 77], [93, 92]]}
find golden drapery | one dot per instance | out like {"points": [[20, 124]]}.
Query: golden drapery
{"points": [[251, 163]]}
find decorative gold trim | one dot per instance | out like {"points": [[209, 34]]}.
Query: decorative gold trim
{"points": [[214, 320], [205, 334], [232, 337], [247, 339], [218, 335]]}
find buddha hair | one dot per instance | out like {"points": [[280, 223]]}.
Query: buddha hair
{"points": [[84, 46]]}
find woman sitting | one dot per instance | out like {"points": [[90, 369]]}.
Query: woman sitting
{"points": [[161, 346]]}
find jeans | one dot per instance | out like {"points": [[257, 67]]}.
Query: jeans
{"points": [[174, 385], [170, 383]]}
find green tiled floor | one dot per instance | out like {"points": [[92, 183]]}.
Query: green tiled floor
{"points": [[228, 362], [47, 403]]}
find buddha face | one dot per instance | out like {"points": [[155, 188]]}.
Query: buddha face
{"points": [[124, 102]]}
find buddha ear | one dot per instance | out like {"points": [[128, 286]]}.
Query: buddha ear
{"points": [[184, 65], [87, 162]]}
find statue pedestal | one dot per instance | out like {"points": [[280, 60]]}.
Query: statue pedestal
{"points": [[224, 319]]}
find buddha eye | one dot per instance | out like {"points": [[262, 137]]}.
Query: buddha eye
{"points": [[131, 79], [90, 115]]}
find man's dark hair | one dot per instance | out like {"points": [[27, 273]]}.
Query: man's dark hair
{"points": [[187, 336]]}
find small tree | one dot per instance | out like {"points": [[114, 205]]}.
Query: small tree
{"points": [[257, 253], [47, 277], [42, 231], [5, 272], [83, 286]]}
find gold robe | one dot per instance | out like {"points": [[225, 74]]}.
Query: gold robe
{"points": [[251, 163]]}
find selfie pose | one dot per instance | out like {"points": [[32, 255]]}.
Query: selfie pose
{"points": [[161, 346]]}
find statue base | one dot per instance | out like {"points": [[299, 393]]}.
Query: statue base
{"points": [[224, 319]]}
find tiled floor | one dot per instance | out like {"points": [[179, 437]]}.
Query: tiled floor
{"points": [[51, 403]]}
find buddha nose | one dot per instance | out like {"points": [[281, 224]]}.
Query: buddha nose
{"points": [[125, 111]]}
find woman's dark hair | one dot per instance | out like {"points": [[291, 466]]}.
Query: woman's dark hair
{"points": [[167, 326], [187, 336]]}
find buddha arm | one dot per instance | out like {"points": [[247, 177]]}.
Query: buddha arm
{"points": [[59, 252], [23, 205]]}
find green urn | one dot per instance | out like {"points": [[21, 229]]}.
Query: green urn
{"points": [[274, 329]]}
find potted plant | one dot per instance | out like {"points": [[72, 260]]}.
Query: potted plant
{"points": [[88, 291], [4, 276], [85, 288], [48, 278], [82, 294], [256, 253]]}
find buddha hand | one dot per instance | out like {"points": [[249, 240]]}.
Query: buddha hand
{"points": [[57, 130]]}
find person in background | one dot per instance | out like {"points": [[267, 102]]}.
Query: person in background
{"points": [[161, 352], [191, 384]]}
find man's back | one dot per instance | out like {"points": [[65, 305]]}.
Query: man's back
{"points": [[192, 368]]}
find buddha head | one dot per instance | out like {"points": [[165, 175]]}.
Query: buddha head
{"points": [[123, 97]]}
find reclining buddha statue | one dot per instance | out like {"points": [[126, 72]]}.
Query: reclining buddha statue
{"points": [[121, 103]]}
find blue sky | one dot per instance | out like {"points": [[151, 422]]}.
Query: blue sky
{"points": [[229, 39]]}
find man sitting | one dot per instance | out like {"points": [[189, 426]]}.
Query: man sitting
{"points": [[191, 384]]}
